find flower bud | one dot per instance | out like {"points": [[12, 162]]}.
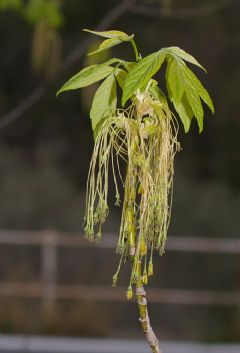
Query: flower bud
{"points": [[129, 293]]}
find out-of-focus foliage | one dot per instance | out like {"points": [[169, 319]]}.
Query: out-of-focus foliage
{"points": [[36, 10], [46, 17], [46, 48], [47, 10], [166, 3], [10, 4]]}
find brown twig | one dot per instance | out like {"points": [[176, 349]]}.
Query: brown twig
{"points": [[144, 318]]}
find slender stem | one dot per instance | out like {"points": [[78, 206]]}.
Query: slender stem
{"points": [[130, 197], [144, 318], [135, 49]]}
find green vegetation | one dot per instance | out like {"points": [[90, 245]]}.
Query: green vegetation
{"points": [[46, 18], [143, 133]]}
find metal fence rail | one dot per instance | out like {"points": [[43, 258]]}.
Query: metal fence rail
{"points": [[174, 243], [108, 294], [31, 344], [49, 290]]}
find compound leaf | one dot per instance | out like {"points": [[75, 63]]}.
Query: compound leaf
{"points": [[128, 65], [178, 52], [106, 44], [141, 73], [203, 93], [157, 92], [175, 78], [110, 34], [120, 75], [184, 89], [113, 39], [104, 101], [180, 79], [185, 112], [89, 75], [196, 105]]}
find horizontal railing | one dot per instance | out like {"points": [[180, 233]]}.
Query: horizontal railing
{"points": [[109, 294], [49, 290], [23, 344], [174, 243]]}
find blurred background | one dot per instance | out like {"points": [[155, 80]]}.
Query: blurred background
{"points": [[47, 271]]}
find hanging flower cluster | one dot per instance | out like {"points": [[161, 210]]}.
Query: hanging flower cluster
{"points": [[145, 136]]}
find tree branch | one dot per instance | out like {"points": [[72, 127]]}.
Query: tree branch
{"points": [[144, 318], [192, 12], [38, 93]]}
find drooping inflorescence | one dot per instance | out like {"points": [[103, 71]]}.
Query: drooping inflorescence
{"points": [[142, 133], [145, 136]]}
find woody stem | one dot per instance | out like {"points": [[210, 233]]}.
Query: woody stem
{"points": [[144, 318]]}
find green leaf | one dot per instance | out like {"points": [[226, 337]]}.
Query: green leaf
{"points": [[120, 75], [196, 105], [106, 44], [86, 77], [181, 80], [104, 101], [203, 93], [89, 75], [180, 53], [185, 112], [157, 92], [182, 107], [128, 65], [110, 34], [141, 73], [114, 38], [175, 78]]}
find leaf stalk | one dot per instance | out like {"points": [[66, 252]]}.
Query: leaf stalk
{"points": [[137, 56]]}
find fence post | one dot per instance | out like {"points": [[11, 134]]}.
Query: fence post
{"points": [[49, 268]]}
